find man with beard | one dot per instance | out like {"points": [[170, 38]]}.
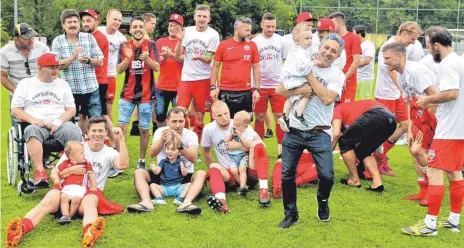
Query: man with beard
{"points": [[237, 55], [79, 54], [138, 60], [90, 20]]}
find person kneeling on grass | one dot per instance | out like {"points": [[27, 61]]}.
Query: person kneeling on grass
{"points": [[243, 133], [172, 171], [73, 187]]}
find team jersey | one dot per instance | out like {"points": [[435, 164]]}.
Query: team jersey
{"points": [[367, 72], [416, 51], [450, 115], [352, 47], [198, 44], [139, 81], [415, 79], [72, 179], [170, 69], [349, 112], [114, 41], [215, 137], [270, 52], [102, 71], [237, 59]]}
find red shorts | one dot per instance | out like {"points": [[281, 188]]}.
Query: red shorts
{"points": [[111, 90], [397, 107], [424, 122], [349, 94], [104, 206], [198, 90], [447, 155], [277, 101]]}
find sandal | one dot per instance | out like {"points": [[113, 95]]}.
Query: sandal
{"points": [[139, 208], [189, 209], [345, 182]]}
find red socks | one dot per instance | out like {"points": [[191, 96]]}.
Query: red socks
{"points": [[259, 128], [215, 181], [435, 194], [84, 228], [261, 161], [187, 122], [277, 175], [423, 185], [198, 129], [387, 146], [27, 225], [279, 134], [192, 120], [456, 196]]}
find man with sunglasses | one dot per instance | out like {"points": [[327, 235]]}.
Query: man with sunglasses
{"points": [[19, 57]]}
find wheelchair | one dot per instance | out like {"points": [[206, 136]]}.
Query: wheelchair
{"points": [[18, 162]]}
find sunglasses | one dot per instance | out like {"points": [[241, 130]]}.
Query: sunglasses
{"points": [[28, 70]]}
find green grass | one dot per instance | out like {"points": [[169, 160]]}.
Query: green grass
{"points": [[359, 218]]}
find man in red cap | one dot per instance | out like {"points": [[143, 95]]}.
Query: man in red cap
{"points": [[353, 56], [90, 19], [324, 27], [170, 70], [47, 104], [287, 40]]}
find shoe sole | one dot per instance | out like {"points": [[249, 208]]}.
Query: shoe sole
{"points": [[97, 229], [215, 204], [420, 235], [283, 125], [10, 232], [64, 222]]}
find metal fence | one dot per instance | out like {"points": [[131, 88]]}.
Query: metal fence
{"points": [[385, 16]]}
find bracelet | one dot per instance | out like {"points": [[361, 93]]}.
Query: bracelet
{"points": [[258, 89], [57, 123], [88, 61], [212, 87]]}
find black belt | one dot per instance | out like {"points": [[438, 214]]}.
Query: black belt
{"points": [[235, 91]]}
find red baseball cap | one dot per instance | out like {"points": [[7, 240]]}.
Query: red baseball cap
{"points": [[48, 59], [91, 13], [325, 24], [177, 18], [305, 16]]}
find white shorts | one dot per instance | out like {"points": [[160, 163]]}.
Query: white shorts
{"points": [[74, 190]]}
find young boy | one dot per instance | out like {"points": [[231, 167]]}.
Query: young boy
{"points": [[173, 171], [73, 187], [241, 132], [297, 65]]}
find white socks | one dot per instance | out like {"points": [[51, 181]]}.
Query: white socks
{"points": [[263, 184], [453, 218], [431, 221], [220, 196]]}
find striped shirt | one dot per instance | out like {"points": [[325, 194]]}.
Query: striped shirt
{"points": [[13, 61], [81, 77]]}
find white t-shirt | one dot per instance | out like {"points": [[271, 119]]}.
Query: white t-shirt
{"points": [[270, 51], [296, 67], [340, 62], [316, 113], [188, 139], [415, 79], [198, 44], [416, 51], [428, 61], [215, 137], [367, 72], [385, 88], [288, 44], [450, 115], [249, 134], [114, 41], [43, 101], [101, 161]]}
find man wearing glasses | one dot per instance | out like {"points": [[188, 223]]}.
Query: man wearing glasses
{"points": [[19, 57]]}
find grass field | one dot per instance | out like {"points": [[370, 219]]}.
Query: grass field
{"points": [[359, 218]]}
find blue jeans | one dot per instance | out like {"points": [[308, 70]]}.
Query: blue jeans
{"points": [[125, 112], [163, 97], [319, 144]]}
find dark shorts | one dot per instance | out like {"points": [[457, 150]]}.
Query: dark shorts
{"points": [[88, 104], [163, 98], [237, 101], [103, 88], [368, 132], [156, 178]]}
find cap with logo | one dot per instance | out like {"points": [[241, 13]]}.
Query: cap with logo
{"points": [[24, 30], [305, 16], [177, 18], [90, 12], [325, 24], [47, 59]]}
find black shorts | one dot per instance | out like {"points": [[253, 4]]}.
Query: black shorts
{"points": [[237, 101], [368, 132], [88, 104], [156, 178], [103, 88]]}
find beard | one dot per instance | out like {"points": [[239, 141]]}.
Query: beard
{"points": [[436, 57], [88, 29], [242, 38]]}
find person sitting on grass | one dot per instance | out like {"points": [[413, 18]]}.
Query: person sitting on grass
{"points": [[243, 133], [73, 187], [172, 171]]}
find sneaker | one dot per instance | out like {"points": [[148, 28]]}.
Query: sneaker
{"points": [[159, 201], [446, 224], [284, 124], [219, 205], [135, 131], [269, 133], [419, 229], [264, 200], [40, 178], [277, 193], [301, 120], [178, 201], [14, 232], [64, 220], [289, 221], [141, 164], [323, 211], [243, 190], [114, 173], [384, 170], [93, 232]]}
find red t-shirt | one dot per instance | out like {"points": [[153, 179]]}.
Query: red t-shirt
{"points": [[74, 179], [350, 111], [352, 47], [236, 58], [170, 69], [139, 82], [102, 71]]}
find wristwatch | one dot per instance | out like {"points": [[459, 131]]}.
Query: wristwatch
{"points": [[258, 89], [181, 147]]}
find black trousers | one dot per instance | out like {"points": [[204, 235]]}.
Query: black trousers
{"points": [[237, 101]]}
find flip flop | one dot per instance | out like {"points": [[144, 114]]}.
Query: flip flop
{"points": [[139, 208], [345, 182], [189, 209]]}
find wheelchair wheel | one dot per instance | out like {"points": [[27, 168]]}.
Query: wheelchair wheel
{"points": [[23, 188], [12, 157]]}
